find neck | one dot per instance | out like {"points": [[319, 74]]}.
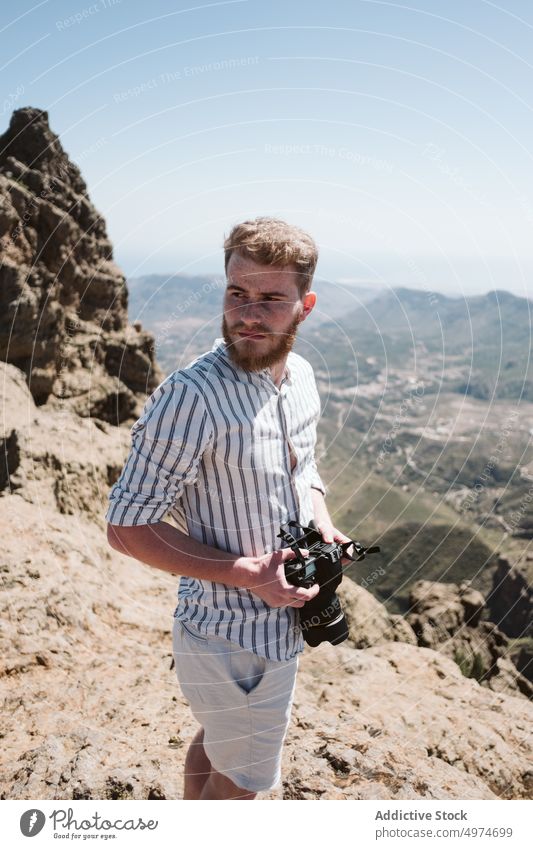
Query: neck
{"points": [[278, 370]]}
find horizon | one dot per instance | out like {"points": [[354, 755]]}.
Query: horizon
{"points": [[399, 137], [351, 282]]}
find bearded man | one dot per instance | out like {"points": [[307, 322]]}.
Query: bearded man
{"points": [[225, 448]]}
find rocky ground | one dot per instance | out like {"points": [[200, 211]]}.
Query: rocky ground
{"points": [[92, 708]]}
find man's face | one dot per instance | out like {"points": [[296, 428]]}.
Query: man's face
{"points": [[262, 311]]}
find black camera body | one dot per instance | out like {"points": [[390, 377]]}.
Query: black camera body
{"points": [[321, 618]]}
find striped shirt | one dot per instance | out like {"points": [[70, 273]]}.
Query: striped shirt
{"points": [[212, 450]]}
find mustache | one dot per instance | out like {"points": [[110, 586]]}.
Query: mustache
{"points": [[241, 329]]}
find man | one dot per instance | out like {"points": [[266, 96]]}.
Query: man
{"points": [[225, 446]]}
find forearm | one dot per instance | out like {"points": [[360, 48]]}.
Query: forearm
{"points": [[164, 547], [323, 520], [320, 511]]}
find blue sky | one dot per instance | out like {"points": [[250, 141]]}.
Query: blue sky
{"points": [[398, 135]]}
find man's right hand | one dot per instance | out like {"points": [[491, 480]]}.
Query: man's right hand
{"points": [[267, 580]]}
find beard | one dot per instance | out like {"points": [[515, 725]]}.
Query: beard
{"points": [[244, 353]]}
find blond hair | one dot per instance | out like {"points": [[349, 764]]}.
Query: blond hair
{"points": [[270, 241]]}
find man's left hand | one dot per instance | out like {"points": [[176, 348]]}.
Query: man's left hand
{"points": [[331, 534], [323, 521]]}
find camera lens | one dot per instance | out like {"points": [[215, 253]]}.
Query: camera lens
{"points": [[333, 632]]}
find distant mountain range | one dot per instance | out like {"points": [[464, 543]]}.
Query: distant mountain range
{"points": [[478, 346], [417, 389], [185, 312]]}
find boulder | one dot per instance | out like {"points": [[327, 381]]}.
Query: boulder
{"points": [[369, 622], [56, 459]]}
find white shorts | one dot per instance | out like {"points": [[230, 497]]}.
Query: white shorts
{"points": [[242, 701]]}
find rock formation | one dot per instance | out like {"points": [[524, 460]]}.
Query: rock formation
{"points": [[369, 622], [511, 599], [55, 459], [63, 301], [448, 617], [523, 660]]}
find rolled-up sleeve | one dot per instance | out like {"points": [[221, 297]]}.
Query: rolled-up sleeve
{"points": [[167, 443], [316, 480]]}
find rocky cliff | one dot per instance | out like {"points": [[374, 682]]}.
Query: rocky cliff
{"points": [[63, 300]]}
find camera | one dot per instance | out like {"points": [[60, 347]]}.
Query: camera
{"points": [[321, 618]]}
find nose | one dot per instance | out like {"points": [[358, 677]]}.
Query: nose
{"points": [[251, 313]]}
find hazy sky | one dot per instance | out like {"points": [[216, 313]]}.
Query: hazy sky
{"points": [[398, 134]]}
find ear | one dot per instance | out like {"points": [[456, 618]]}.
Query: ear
{"points": [[308, 302]]}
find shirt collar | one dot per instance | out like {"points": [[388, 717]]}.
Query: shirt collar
{"points": [[222, 349]]}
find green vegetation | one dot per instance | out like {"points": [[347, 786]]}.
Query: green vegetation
{"points": [[432, 552], [470, 665]]}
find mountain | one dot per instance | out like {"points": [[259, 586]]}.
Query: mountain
{"points": [[185, 312], [479, 346], [63, 300], [428, 403]]}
